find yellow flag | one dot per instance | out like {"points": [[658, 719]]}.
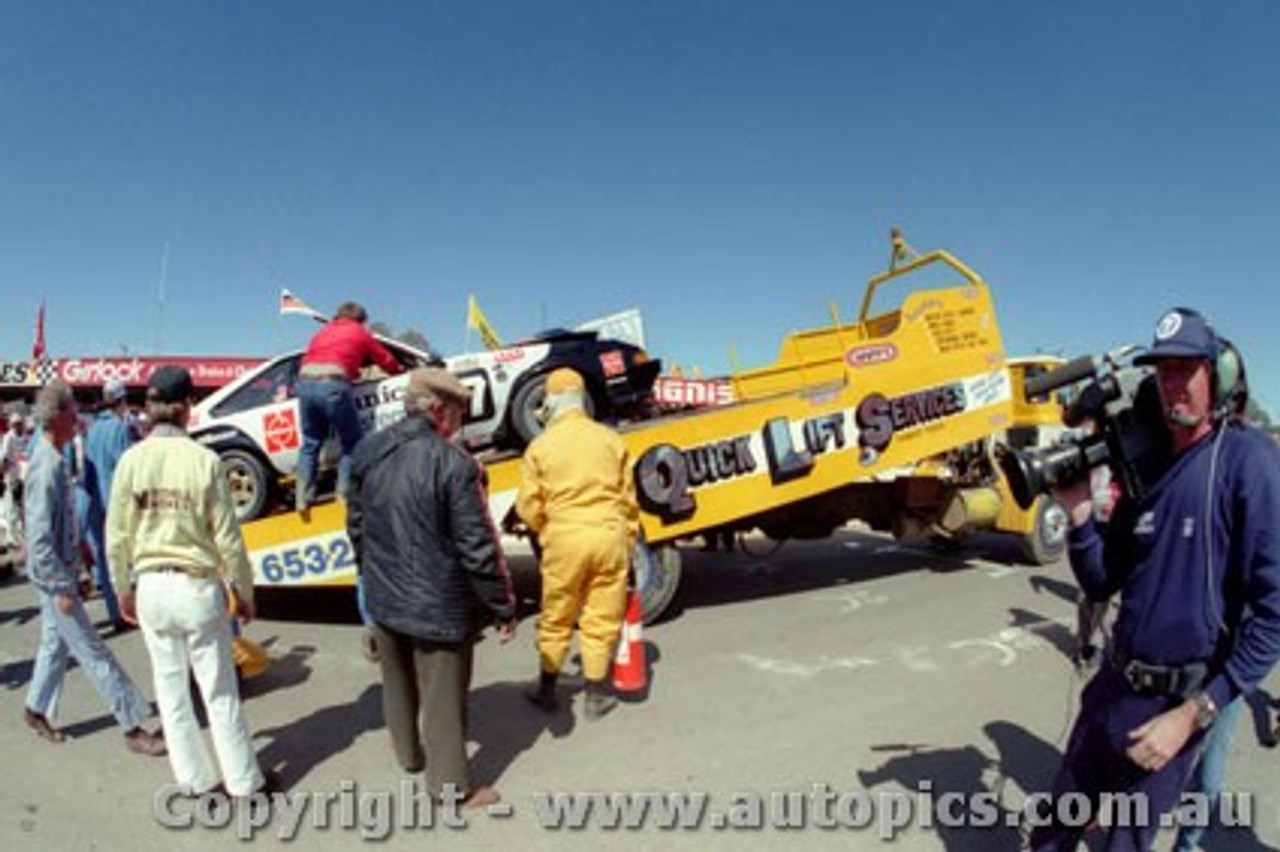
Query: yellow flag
{"points": [[477, 320]]}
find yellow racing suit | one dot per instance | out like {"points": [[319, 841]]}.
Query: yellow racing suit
{"points": [[577, 495]]}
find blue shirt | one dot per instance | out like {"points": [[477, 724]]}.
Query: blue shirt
{"points": [[1197, 562], [52, 561], [107, 439]]}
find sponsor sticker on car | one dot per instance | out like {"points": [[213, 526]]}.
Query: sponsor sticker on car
{"points": [[612, 363], [280, 430]]}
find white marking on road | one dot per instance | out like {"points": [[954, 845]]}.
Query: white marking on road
{"points": [[1007, 655], [799, 669], [917, 659], [1001, 648], [856, 601], [995, 572]]}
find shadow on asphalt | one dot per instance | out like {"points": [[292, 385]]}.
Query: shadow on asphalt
{"points": [[1064, 590], [296, 748], [100, 723], [288, 668], [718, 578], [505, 725], [968, 770], [1046, 628], [22, 614]]}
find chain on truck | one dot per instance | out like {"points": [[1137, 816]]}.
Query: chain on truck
{"points": [[889, 419]]}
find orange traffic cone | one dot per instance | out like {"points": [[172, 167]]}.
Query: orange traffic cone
{"points": [[629, 671]]}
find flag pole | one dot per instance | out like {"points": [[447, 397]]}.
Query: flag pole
{"points": [[466, 322]]}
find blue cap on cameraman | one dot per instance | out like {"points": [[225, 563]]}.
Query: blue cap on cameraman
{"points": [[1181, 333]]}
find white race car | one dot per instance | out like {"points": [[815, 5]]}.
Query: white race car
{"points": [[254, 425]]}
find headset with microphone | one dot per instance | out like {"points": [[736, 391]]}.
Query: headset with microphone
{"points": [[1230, 399]]}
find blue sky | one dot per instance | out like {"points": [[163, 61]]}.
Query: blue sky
{"points": [[727, 167]]}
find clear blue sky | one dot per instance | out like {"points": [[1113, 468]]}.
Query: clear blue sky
{"points": [[728, 167]]}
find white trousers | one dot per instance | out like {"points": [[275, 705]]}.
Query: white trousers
{"points": [[10, 519], [185, 624]]}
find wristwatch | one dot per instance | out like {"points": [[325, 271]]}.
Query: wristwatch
{"points": [[1206, 710]]}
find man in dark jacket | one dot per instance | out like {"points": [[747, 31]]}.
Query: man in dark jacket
{"points": [[433, 575]]}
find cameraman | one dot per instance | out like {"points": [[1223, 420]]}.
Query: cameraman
{"points": [[1197, 564]]}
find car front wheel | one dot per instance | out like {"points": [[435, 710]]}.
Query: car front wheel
{"points": [[247, 481], [526, 407]]}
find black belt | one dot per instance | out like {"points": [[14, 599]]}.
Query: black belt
{"points": [[1160, 680]]}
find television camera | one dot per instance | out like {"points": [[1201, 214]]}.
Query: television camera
{"points": [[1116, 419]]}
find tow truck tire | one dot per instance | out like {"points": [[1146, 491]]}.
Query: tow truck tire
{"points": [[247, 481], [1047, 541], [657, 573]]}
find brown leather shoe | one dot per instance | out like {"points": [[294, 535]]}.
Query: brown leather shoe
{"points": [[481, 797], [38, 723], [140, 741]]}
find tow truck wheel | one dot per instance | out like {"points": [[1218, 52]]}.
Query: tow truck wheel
{"points": [[657, 576], [1047, 540], [247, 480]]}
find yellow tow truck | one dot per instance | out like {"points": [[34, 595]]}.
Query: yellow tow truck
{"points": [[888, 419]]}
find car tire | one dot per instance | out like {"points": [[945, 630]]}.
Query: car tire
{"points": [[1047, 540], [247, 481], [525, 425]]}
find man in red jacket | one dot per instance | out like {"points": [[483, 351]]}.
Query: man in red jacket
{"points": [[332, 362]]}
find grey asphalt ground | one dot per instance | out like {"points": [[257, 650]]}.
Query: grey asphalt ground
{"points": [[853, 665]]}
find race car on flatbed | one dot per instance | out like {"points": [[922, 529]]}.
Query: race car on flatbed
{"points": [[254, 425]]}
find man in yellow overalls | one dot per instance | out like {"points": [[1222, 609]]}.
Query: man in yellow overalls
{"points": [[578, 496]]}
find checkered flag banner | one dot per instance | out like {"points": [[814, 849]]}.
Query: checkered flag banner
{"points": [[43, 371], [30, 373]]}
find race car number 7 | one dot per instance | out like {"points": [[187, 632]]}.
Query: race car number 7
{"points": [[477, 384]]}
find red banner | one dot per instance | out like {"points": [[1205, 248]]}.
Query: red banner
{"points": [[207, 372]]}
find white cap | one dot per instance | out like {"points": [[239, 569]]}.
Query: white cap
{"points": [[113, 391]]}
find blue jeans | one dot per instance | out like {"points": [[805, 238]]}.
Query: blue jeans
{"points": [[1210, 772], [95, 536], [63, 636], [361, 604], [325, 404]]}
